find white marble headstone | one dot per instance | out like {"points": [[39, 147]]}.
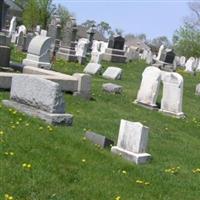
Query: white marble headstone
{"points": [[92, 68], [132, 141], [182, 61], [190, 64], [172, 98], [114, 73], [149, 87], [12, 27], [96, 57]]}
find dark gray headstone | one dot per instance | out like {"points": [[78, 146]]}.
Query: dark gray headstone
{"points": [[116, 42], [5, 56], [168, 56], [99, 139]]}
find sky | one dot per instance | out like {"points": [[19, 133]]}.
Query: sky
{"points": [[152, 17]]}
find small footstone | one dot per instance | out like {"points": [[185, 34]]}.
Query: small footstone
{"points": [[112, 88], [99, 139]]}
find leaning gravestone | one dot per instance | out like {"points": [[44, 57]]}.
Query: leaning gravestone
{"points": [[96, 57], [114, 73], [38, 97], [198, 90], [190, 65], [39, 53], [172, 98], [112, 88], [149, 88], [132, 142], [98, 139], [92, 68]]}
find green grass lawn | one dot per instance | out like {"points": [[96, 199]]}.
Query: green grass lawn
{"points": [[64, 166]]}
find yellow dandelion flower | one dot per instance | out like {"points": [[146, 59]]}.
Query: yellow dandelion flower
{"points": [[27, 124], [10, 198], [124, 172], [24, 165], [6, 195], [17, 123], [29, 166], [20, 119], [139, 181], [14, 112], [41, 128], [83, 160], [10, 110], [147, 183], [13, 126], [1, 132], [12, 153], [84, 138], [118, 198], [6, 153]]}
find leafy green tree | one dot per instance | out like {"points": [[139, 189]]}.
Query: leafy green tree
{"points": [[88, 23], [157, 42], [31, 15], [104, 28], [21, 3], [46, 9], [64, 14], [187, 41]]}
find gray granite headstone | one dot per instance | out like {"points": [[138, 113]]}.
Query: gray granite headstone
{"points": [[112, 88], [99, 139]]}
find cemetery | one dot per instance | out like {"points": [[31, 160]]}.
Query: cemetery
{"points": [[85, 117]]}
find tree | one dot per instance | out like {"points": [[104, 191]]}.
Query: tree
{"points": [[187, 41], [37, 12], [31, 14], [157, 42], [88, 23], [46, 9], [103, 28], [21, 3], [194, 19], [64, 14]]}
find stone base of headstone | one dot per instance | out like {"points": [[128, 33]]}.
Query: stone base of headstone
{"points": [[5, 56], [32, 63], [67, 57], [81, 60], [137, 158], [114, 55], [50, 118], [150, 107], [176, 115], [164, 66], [100, 140], [112, 88]]}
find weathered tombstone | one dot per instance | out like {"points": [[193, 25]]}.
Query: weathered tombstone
{"points": [[167, 56], [132, 53], [132, 142], [161, 49], [103, 47], [116, 42], [112, 88], [197, 92], [96, 46], [38, 29], [27, 40], [92, 68], [20, 41], [84, 85], [47, 102], [98, 139], [114, 73], [12, 27], [43, 33], [115, 51], [172, 98], [5, 56], [190, 65], [81, 51], [39, 52], [149, 88], [182, 61], [96, 57]]}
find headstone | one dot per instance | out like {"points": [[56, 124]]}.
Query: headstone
{"points": [[84, 85], [12, 27], [27, 40], [38, 29], [5, 56], [197, 89], [92, 68], [96, 46], [103, 47], [161, 49], [116, 42], [172, 98], [114, 73], [112, 88], [98, 139], [96, 57], [149, 88], [20, 41], [39, 52], [38, 97], [182, 61], [132, 142], [43, 33], [190, 65]]}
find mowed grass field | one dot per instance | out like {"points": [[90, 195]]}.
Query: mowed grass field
{"points": [[41, 162]]}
